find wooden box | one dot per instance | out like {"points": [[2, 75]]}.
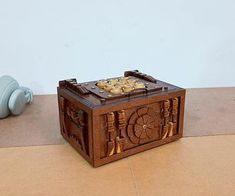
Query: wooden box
{"points": [[139, 113]]}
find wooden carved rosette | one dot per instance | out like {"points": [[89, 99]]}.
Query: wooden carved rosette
{"points": [[142, 125]]}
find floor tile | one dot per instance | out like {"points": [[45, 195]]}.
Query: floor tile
{"points": [[209, 111], [60, 170], [38, 125], [190, 166]]}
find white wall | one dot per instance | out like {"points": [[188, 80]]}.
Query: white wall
{"points": [[186, 42]]}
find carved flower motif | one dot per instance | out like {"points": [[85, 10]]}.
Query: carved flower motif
{"points": [[142, 126]]}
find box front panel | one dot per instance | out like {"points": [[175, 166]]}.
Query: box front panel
{"points": [[126, 129]]}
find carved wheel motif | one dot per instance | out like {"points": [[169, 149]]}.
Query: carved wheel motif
{"points": [[142, 126]]}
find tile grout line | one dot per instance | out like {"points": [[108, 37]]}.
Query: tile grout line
{"points": [[134, 178], [64, 143]]}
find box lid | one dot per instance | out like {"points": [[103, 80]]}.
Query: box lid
{"points": [[134, 85]]}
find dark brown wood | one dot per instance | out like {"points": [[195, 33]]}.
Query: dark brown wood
{"points": [[104, 127]]}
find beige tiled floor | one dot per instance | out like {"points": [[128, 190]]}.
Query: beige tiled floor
{"points": [[209, 111], [190, 166], [38, 125]]}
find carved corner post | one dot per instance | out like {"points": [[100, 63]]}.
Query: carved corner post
{"points": [[181, 102], [62, 116], [175, 104], [111, 133], [95, 124]]}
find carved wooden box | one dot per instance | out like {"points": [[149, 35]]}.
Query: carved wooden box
{"points": [[111, 119]]}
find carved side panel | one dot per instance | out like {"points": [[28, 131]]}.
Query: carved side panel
{"points": [[126, 129], [74, 124]]}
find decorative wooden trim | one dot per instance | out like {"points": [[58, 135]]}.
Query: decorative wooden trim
{"points": [[120, 139], [111, 133]]}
